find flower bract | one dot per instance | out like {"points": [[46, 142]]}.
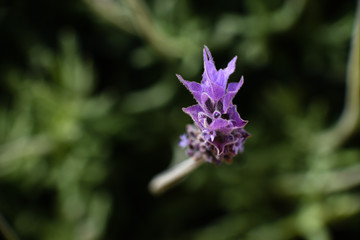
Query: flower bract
{"points": [[218, 132]]}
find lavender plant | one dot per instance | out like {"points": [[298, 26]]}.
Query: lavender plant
{"points": [[218, 133]]}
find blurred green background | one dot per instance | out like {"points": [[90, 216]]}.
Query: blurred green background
{"points": [[90, 111]]}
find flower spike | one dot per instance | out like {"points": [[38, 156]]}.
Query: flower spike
{"points": [[218, 132]]}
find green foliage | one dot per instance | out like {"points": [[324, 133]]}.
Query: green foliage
{"points": [[53, 140]]}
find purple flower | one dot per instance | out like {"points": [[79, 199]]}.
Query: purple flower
{"points": [[220, 125]]}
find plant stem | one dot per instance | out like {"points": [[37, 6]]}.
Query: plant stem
{"points": [[320, 182], [134, 17], [349, 118], [165, 180], [5, 229]]}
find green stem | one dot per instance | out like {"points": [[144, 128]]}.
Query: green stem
{"points": [[319, 182], [6, 230], [167, 179], [134, 17], [349, 118]]}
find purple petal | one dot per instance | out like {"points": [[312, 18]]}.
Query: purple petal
{"points": [[220, 106], [214, 90], [220, 84], [242, 136], [209, 65], [220, 125], [235, 117], [218, 92], [193, 112], [220, 79], [230, 68], [184, 141], [204, 119], [232, 89], [213, 81], [220, 142], [205, 84], [193, 87], [207, 103], [208, 135]]}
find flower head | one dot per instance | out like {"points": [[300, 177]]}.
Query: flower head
{"points": [[220, 125]]}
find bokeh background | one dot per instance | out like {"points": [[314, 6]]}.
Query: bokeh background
{"points": [[90, 111]]}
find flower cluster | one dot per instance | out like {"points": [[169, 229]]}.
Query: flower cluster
{"points": [[218, 134]]}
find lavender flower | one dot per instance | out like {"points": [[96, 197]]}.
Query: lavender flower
{"points": [[218, 133]]}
